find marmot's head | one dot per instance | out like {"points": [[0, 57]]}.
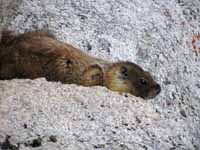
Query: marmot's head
{"points": [[129, 77]]}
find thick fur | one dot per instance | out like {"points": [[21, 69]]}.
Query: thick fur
{"points": [[39, 54]]}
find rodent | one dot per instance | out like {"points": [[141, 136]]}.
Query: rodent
{"points": [[38, 53]]}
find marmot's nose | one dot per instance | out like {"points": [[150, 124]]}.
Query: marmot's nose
{"points": [[158, 88]]}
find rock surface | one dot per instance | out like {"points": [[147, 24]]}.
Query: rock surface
{"points": [[155, 34]]}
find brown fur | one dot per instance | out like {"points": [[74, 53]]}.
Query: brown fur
{"points": [[40, 54]]}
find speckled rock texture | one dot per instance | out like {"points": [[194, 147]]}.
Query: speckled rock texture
{"points": [[156, 34]]}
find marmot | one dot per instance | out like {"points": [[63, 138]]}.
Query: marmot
{"points": [[39, 54]]}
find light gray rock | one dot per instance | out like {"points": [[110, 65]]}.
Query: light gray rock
{"points": [[80, 117], [155, 34]]}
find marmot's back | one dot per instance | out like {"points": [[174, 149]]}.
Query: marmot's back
{"points": [[40, 54]]}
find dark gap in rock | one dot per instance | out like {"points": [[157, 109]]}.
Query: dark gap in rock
{"points": [[6, 145]]}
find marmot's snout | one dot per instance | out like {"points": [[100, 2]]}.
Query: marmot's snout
{"points": [[158, 88]]}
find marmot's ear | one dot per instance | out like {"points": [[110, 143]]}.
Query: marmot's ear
{"points": [[6, 36], [93, 75]]}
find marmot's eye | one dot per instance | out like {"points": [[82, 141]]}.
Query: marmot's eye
{"points": [[124, 71], [68, 62], [143, 81]]}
